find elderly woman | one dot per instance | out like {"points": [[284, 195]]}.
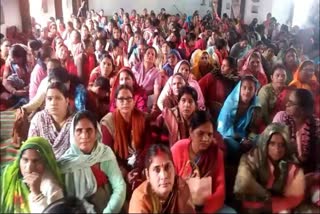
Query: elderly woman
{"points": [[90, 168], [32, 181], [126, 77], [124, 131], [178, 82], [217, 85], [16, 77], [272, 96], [173, 124], [182, 67], [305, 78], [172, 59], [53, 123], [163, 191], [238, 118], [201, 64], [269, 178], [201, 154]]}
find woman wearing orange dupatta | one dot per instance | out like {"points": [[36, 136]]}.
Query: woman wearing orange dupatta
{"points": [[124, 131], [305, 78], [253, 66], [202, 64]]}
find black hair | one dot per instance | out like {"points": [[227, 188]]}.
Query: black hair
{"points": [[66, 205], [85, 114], [114, 43], [244, 38], [191, 37], [18, 51], [276, 67], [155, 51], [232, 62], [35, 44], [60, 74], [108, 56], [44, 52], [60, 87], [305, 100], [220, 44], [188, 90], [153, 151], [102, 83], [123, 87], [198, 118]]}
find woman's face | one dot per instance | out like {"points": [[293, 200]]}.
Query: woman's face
{"points": [[225, 68], [247, 91], [202, 137], [276, 147], [125, 79], [5, 47], [160, 175], [85, 135], [279, 77], [125, 102], [150, 55], [204, 59], [84, 32], [106, 67], [177, 83], [165, 48], [31, 162], [56, 102], [187, 105], [172, 60], [306, 73], [291, 58], [254, 63], [62, 53], [116, 33], [98, 46], [292, 105], [184, 69]]}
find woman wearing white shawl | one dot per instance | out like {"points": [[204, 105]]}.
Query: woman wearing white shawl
{"points": [[85, 154]]}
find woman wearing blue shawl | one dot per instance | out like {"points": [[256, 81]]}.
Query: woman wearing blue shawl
{"points": [[238, 117], [172, 59], [90, 169]]}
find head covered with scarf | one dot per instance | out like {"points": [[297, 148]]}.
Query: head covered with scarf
{"points": [[14, 192]]}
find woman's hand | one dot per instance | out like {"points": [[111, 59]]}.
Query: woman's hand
{"points": [[132, 176], [33, 180], [245, 145], [20, 93]]}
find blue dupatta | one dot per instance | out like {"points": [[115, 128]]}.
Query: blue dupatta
{"points": [[227, 124]]}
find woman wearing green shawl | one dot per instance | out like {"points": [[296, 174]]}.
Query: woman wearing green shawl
{"points": [[32, 181], [90, 168], [269, 178]]}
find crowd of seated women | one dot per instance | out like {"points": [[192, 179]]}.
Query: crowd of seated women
{"points": [[160, 113]]}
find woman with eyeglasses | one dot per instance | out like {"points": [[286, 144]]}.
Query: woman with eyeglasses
{"points": [[124, 130], [305, 136]]}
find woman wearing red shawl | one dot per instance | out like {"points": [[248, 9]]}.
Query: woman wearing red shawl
{"points": [[124, 131], [66, 61], [253, 66], [305, 78], [273, 96], [105, 69], [126, 77], [85, 62], [217, 85], [203, 151]]}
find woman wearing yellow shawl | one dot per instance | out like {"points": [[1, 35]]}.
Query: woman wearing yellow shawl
{"points": [[305, 78], [202, 63], [32, 181]]}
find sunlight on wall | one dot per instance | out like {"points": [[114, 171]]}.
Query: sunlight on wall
{"points": [[301, 12]]}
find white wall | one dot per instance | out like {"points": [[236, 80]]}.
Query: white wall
{"points": [[224, 7], [11, 14], [36, 11], [184, 6], [264, 7], [66, 9]]}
